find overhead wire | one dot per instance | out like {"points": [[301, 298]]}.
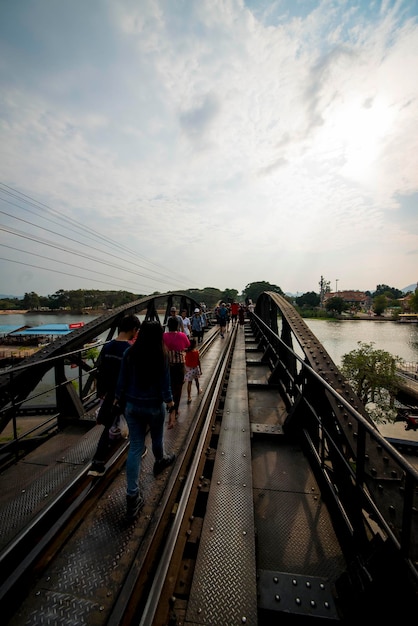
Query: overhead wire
{"points": [[64, 249], [93, 235], [48, 269], [41, 256]]}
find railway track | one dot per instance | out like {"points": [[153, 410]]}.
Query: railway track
{"points": [[44, 568], [237, 531]]}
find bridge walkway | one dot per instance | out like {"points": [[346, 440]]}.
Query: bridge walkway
{"points": [[267, 531], [267, 535]]}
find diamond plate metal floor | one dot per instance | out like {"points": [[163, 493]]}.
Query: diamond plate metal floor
{"points": [[268, 544], [224, 583]]}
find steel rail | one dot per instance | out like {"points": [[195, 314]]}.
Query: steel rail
{"points": [[140, 580], [31, 549], [213, 391]]}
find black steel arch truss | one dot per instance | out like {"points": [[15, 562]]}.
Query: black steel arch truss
{"points": [[18, 382], [365, 479]]}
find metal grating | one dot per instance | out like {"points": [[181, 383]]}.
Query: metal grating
{"points": [[41, 475], [298, 595], [224, 583], [83, 582], [303, 541]]}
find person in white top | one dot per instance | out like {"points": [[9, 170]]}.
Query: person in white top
{"points": [[186, 323]]}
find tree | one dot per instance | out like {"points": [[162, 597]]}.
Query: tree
{"points": [[380, 304], [372, 373], [413, 303], [336, 304], [392, 293], [324, 287], [253, 290], [31, 301], [229, 295], [308, 300], [59, 299]]}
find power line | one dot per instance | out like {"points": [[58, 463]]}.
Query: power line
{"points": [[94, 234], [48, 269], [85, 232], [69, 250], [41, 256]]}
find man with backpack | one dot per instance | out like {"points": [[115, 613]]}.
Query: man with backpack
{"points": [[198, 325], [223, 319]]}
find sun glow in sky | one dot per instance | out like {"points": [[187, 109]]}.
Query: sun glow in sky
{"points": [[155, 145]]}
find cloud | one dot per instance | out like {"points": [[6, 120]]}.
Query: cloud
{"points": [[280, 136]]}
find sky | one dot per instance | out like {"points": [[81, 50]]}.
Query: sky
{"points": [[162, 145]]}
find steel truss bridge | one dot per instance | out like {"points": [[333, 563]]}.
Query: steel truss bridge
{"points": [[370, 489]]}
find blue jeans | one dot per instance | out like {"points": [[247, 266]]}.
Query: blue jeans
{"points": [[138, 418]]}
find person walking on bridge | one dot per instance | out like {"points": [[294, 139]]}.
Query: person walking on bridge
{"points": [[176, 343], [175, 315], [143, 388], [193, 368], [223, 317], [198, 325], [186, 323], [107, 378]]}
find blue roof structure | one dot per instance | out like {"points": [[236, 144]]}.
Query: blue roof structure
{"points": [[44, 329], [5, 329]]}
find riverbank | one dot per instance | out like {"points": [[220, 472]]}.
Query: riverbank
{"points": [[9, 354]]}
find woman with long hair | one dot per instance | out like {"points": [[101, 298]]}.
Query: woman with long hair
{"points": [[143, 388]]}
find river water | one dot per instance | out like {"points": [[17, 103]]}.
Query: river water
{"points": [[341, 337], [337, 337]]}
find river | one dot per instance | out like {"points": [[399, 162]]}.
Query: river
{"points": [[337, 337], [341, 337]]}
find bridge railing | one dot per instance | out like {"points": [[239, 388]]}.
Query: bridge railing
{"points": [[65, 390], [370, 487], [408, 368]]}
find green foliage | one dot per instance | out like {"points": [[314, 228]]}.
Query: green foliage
{"points": [[229, 295], [336, 304], [91, 355], [413, 303], [12, 304], [209, 295], [308, 300], [380, 303], [372, 374], [253, 290], [31, 300], [392, 293]]}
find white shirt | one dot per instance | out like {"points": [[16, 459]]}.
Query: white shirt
{"points": [[187, 326]]}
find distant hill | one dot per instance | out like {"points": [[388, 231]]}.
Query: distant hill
{"points": [[410, 288]]}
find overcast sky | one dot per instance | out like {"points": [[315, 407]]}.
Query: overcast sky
{"points": [[158, 145]]}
